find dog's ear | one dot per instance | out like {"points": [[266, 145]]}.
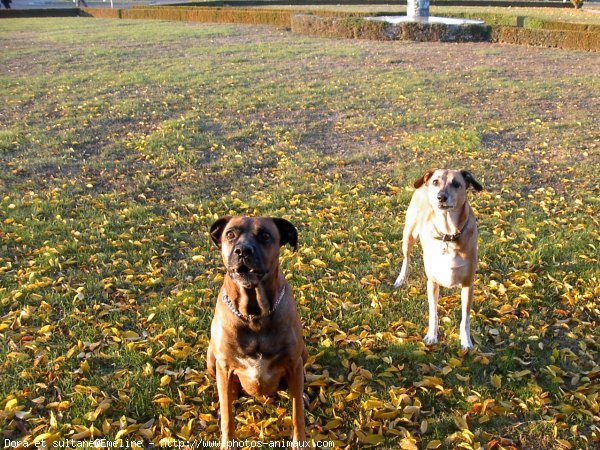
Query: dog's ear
{"points": [[471, 181], [216, 230], [421, 181], [287, 232]]}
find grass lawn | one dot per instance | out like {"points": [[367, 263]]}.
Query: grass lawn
{"points": [[122, 141]]}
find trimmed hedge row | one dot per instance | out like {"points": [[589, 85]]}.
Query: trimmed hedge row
{"points": [[101, 13], [349, 27], [500, 3], [29, 13], [345, 27], [546, 25], [279, 18], [367, 29], [489, 18], [524, 22], [498, 28], [566, 39]]}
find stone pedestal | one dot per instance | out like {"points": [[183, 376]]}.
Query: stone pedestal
{"points": [[426, 20], [417, 10]]}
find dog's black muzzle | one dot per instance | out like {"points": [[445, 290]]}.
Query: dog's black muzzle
{"points": [[245, 264]]}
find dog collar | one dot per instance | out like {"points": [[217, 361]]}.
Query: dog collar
{"points": [[449, 237], [248, 317]]}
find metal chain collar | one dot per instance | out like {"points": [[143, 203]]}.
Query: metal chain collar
{"points": [[250, 317]]}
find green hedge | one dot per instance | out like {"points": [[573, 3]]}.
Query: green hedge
{"points": [[101, 13], [566, 39], [499, 3], [28, 13], [503, 3], [368, 29], [499, 28], [213, 15], [566, 26], [285, 14], [345, 27], [279, 18], [523, 21]]}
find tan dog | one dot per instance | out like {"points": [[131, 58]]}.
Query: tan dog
{"points": [[440, 215], [256, 335]]}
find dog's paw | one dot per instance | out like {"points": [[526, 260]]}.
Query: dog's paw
{"points": [[430, 339], [466, 344], [400, 280], [465, 337]]}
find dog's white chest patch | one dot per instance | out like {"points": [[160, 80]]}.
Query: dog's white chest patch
{"points": [[450, 259], [445, 267], [255, 369]]}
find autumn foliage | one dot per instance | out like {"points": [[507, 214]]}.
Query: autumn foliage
{"points": [[122, 141]]}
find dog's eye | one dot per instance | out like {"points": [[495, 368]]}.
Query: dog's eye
{"points": [[264, 236], [455, 184], [435, 182], [230, 235]]}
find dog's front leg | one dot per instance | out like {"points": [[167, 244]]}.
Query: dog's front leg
{"points": [[433, 293], [296, 387], [409, 238], [403, 273], [466, 299], [225, 390]]}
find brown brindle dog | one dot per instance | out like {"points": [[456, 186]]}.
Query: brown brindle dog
{"points": [[439, 215], [256, 335]]}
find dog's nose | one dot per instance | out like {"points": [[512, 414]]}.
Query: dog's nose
{"points": [[243, 250], [442, 197]]}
